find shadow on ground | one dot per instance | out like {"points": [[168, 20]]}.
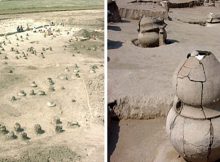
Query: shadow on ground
{"points": [[113, 129], [114, 44], [115, 28], [125, 21], [171, 41], [113, 135]]}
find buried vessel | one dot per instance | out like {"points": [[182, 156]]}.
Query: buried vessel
{"points": [[213, 19], [193, 121], [151, 32]]}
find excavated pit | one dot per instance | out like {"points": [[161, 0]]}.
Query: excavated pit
{"points": [[136, 43]]}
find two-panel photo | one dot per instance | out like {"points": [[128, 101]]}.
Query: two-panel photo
{"points": [[110, 81]]}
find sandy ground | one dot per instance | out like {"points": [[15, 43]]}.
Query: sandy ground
{"points": [[141, 134], [76, 94], [139, 72], [139, 78]]}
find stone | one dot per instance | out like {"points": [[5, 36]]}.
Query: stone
{"points": [[51, 82], [3, 129], [24, 136], [38, 129], [33, 84], [63, 77], [18, 128], [73, 100], [51, 104], [41, 93], [11, 135], [32, 93], [56, 120], [67, 69], [13, 98], [73, 124], [59, 129], [51, 88], [62, 88], [21, 93], [77, 75]]}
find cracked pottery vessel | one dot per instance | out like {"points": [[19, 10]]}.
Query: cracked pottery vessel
{"points": [[197, 80], [213, 18], [193, 122], [151, 31]]}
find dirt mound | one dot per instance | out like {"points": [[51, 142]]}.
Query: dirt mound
{"points": [[89, 34]]}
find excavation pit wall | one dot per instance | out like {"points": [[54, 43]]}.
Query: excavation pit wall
{"points": [[130, 120], [135, 10], [136, 14], [143, 108], [136, 128]]}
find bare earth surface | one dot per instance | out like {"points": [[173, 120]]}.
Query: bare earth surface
{"points": [[139, 72], [73, 59], [138, 140], [144, 77]]}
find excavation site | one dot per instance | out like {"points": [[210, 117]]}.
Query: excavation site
{"points": [[51, 84], [163, 81]]}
